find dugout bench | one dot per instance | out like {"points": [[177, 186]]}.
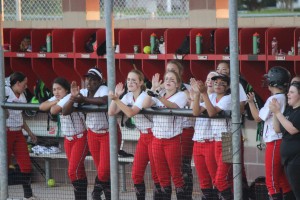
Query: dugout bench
{"points": [[35, 124]]}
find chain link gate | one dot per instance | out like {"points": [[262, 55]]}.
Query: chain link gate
{"points": [[123, 9]]}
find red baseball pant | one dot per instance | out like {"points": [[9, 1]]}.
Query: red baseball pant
{"points": [[167, 160], [275, 176], [76, 151], [205, 163], [223, 174], [17, 145], [142, 156]]}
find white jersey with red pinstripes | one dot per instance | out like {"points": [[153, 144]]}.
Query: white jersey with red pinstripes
{"points": [[141, 121], [72, 124], [169, 126], [266, 115], [97, 121], [218, 126], [15, 118]]}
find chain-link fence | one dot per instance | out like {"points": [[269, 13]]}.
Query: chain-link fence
{"points": [[123, 9], [32, 10], [154, 9]]}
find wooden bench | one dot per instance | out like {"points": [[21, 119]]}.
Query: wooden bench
{"points": [[38, 126]]}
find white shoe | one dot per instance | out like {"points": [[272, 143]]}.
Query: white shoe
{"points": [[31, 198]]}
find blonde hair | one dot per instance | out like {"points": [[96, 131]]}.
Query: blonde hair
{"points": [[178, 65], [178, 78], [141, 77]]}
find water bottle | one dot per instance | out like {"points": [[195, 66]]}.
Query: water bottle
{"points": [[256, 42], [298, 46], [153, 42], [48, 43], [274, 46], [198, 43]]}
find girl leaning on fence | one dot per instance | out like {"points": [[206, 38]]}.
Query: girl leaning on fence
{"points": [[167, 133], [187, 133], [204, 144], [16, 142], [131, 105], [95, 93], [74, 130], [214, 103]]}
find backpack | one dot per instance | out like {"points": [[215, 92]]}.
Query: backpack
{"points": [[184, 48], [259, 102], [90, 43], [41, 93], [258, 189]]}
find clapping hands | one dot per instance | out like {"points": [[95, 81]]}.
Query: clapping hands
{"points": [[119, 90]]}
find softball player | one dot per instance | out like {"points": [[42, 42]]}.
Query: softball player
{"points": [[214, 103], [97, 124], [187, 133], [204, 145], [167, 133], [224, 68], [278, 80], [16, 142], [74, 129], [131, 105]]}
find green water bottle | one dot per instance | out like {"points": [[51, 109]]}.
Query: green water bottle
{"points": [[256, 40], [153, 42], [49, 42], [198, 43]]}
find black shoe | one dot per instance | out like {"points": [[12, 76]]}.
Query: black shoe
{"points": [[124, 154]]}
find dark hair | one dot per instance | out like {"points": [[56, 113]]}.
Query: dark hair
{"points": [[178, 65], [141, 77], [224, 62], [296, 84], [15, 77], [62, 82]]}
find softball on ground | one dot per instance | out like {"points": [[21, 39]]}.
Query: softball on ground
{"points": [[51, 182]]}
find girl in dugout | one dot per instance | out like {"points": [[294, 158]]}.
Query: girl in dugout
{"points": [[131, 105], [16, 142], [204, 144], [167, 133], [74, 130], [215, 103]]}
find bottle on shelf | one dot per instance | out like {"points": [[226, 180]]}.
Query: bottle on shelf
{"points": [[256, 43], [274, 46], [48, 42], [198, 43], [298, 46], [153, 42]]}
